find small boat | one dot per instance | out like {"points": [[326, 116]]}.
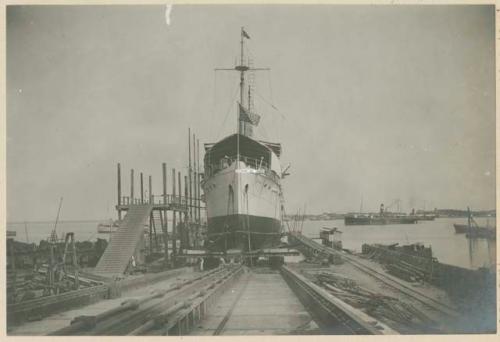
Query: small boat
{"points": [[473, 230], [107, 227], [460, 228], [11, 233]]}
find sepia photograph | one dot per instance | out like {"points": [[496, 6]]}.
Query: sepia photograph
{"points": [[250, 169]]}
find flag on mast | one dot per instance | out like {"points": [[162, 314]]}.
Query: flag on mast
{"points": [[248, 116], [243, 32]]}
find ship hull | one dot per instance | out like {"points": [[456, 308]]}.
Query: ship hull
{"points": [[243, 232], [243, 209]]}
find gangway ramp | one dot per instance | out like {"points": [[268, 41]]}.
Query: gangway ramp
{"points": [[124, 241]]}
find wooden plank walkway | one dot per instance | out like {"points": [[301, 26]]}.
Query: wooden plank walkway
{"points": [[117, 255]]}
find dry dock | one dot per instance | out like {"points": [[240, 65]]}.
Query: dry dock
{"points": [[295, 298], [260, 304], [323, 291]]}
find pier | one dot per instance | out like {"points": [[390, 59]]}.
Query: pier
{"points": [[352, 296]]}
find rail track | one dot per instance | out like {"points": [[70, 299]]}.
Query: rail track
{"points": [[332, 315], [155, 311], [390, 281], [394, 283], [220, 328]]}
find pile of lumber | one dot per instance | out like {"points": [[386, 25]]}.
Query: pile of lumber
{"points": [[386, 308]]}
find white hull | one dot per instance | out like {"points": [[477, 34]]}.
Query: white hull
{"points": [[242, 191]]}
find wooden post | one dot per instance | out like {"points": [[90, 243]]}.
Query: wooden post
{"points": [[198, 179], [187, 225], [154, 229], [195, 196], [193, 192], [151, 233], [164, 224], [163, 219], [75, 262], [131, 186], [119, 188], [142, 189], [150, 187], [164, 176], [174, 222], [190, 179], [181, 227]]}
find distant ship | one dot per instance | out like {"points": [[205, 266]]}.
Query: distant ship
{"points": [[242, 176], [382, 218], [473, 230], [107, 227], [425, 217]]}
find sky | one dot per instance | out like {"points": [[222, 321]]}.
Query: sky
{"points": [[370, 103]]}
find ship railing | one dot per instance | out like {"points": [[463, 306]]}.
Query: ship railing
{"points": [[254, 163]]}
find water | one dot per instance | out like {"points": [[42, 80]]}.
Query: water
{"points": [[84, 230], [447, 246], [37, 231]]}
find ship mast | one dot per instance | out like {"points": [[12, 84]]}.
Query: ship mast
{"points": [[242, 68]]}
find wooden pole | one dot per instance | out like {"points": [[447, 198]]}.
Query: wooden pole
{"points": [[119, 188], [195, 195], [190, 178], [164, 176], [151, 233], [193, 192], [151, 217], [198, 179], [150, 187], [154, 229], [181, 227], [164, 219], [132, 186], [142, 189], [187, 227], [174, 222]]}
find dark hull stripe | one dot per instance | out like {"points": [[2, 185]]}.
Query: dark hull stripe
{"points": [[234, 232]]}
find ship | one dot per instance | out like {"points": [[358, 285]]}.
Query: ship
{"points": [[473, 230], [242, 180], [107, 227], [382, 218], [464, 228], [355, 220]]}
